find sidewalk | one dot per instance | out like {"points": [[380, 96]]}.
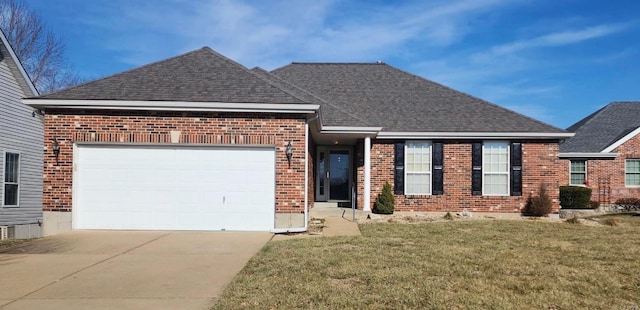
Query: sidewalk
{"points": [[337, 222]]}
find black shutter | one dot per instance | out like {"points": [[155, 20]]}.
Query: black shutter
{"points": [[437, 168], [476, 166], [516, 169], [398, 161]]}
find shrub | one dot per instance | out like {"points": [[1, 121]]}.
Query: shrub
{"points": [[540, 205], [594, 204], [573, 220], [448, 216], [609, 222], [629, 203], [385, 203], [574, 197]]}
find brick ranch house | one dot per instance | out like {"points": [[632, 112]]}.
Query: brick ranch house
{"points": [[604, 154], [199, 142]]}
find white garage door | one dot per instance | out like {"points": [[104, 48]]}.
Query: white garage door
{"points": [[174, 188]]}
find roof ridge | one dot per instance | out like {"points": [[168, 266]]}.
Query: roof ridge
{"points": [[316, 97], [586, 120], [132, 69], [274, 85], [336, 63], [474, 97]]}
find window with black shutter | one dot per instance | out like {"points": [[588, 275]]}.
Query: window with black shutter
{"points": [[516, 169], [476, 166], [438, 168], [398, 182]]}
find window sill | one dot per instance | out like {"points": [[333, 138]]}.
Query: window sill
{"points": [[413, 196]]}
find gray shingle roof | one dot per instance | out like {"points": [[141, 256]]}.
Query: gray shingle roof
{"points": [[198, 76], [399, 101], [599, 130], [334, 115]]}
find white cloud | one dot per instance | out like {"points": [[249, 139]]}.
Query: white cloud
{"points": [[556, 39], [277, 32]]}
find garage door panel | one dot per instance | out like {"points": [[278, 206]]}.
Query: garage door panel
{"points": [[174, 188]]}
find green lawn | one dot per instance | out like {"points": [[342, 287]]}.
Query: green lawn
{"points": [[478, 264]]}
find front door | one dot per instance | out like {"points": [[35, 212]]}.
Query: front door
{"points": [[333, 177]]}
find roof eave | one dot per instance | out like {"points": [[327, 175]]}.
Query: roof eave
{"points": [[475, 135], [588, 155], [350, 130], [172, 106], [621, 141], [15, 59]]}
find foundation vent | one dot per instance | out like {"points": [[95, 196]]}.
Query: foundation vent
{"points": [[4, 232]]}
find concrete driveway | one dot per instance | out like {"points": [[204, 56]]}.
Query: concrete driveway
{"points": [[124, 269]]}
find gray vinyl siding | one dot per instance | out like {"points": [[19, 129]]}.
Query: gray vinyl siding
{"points": [[20, 133]]}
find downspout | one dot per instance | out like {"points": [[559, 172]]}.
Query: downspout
{"points": [[306, 184]]}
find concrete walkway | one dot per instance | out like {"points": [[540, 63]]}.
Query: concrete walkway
{"points": [[338, 226], [124, 269], [337, 222]]}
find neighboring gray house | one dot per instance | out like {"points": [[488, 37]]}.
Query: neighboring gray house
{"points": [[21, 155]]}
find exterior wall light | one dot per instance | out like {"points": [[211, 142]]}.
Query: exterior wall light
{"points": [[289, 152], [56, 149]]}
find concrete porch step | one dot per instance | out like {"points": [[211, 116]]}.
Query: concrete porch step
{"points": [[324, 205]]}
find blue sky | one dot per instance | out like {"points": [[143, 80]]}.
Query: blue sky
{"points": [[554, 60]]}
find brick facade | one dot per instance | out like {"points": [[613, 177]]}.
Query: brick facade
{"points": [[606, 178], [540, 165], [122, 127]]}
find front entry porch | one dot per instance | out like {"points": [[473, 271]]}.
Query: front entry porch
{"points": [[334, 177]]}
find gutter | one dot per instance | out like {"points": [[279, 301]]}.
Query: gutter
{"points": [[589, 155], [173, 106], [474, 135]]}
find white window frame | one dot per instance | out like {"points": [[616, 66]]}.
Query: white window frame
{"points": [[507, 172], [407, 172], [626, 172], [4, 173], [571, 172]]}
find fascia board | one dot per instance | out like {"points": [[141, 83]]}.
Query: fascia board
{"points": [[588, 155], [474, 135], [173, 105], [621, 141]]}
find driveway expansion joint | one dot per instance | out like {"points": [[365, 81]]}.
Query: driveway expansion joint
{"points": [[85, 268]]}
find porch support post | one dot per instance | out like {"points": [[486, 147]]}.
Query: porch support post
{"points": [[367, 174]]}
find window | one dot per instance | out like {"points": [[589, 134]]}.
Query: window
{"points": [[632, 172], [417, 168], [495, 168], [11, 178], [578, 172]]}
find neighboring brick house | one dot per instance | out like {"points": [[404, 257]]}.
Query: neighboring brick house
{"points": [[200, 142], [20, 151], [604, 154]]}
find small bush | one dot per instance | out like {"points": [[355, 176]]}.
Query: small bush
{"points": [[594, 204], [385, 203], [609, 222], [573, 220], [629, 203], [448, 216], [574, 197], [540, 205]]}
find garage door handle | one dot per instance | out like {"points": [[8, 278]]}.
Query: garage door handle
{"points": [[224, 199]]}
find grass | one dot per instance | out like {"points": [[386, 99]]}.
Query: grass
{"points": [[448, 265], [10, 242]]}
